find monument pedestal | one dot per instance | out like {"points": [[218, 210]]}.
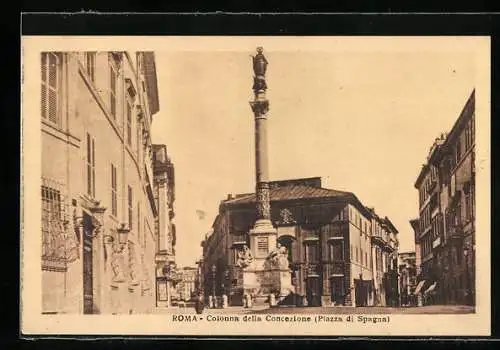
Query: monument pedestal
{"points": [[265, 276]]}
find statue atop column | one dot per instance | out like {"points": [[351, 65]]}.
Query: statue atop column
{"points": [[259, 68]]}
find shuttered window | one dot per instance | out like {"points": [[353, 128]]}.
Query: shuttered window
{"points": [[130, 212], [90, 166], [51, 84], [114, 202], [112, 89], [90, 64]]}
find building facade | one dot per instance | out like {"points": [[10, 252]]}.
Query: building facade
{"points": [[98, 207], [329, 237], [164, 192], [185, 286], [446, 230], [407, 278]]}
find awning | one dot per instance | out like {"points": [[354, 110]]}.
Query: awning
{"points": [[419, 287], [431, 288]]}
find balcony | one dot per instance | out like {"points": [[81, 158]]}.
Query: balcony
{"points": [[436, 243], [378, 238]]}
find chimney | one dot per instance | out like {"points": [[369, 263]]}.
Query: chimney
{"points": [[230, 196]]}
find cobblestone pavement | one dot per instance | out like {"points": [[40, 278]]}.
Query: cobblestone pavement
{"points": [[430, 309]]}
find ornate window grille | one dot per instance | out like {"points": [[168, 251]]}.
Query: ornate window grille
{"points": [[59, 243]]}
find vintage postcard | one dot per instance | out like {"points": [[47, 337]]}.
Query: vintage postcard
{"points": [[286, 186]]}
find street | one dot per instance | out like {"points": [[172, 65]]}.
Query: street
{"points": [[430, 309]]}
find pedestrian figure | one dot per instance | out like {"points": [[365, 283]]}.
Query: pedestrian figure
{"points": [[272, 300], [199, 304]]}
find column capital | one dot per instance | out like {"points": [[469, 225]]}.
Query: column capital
{"points": [[260, 107]]}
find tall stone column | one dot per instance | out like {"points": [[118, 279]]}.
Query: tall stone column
{"points": [[263, 227]]}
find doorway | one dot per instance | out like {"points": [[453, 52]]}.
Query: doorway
{"points": [[361, 292], [337, 290], [313, 292], [88, 292]]}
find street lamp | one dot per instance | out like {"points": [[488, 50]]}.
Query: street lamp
{"points": [[467, 285], [122, 236]]}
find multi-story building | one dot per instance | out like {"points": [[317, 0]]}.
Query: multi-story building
{"points": [[98, 207], [384, 247], [407, 278], [446, 232], [164, 192], [329, 236], [185, 287]]}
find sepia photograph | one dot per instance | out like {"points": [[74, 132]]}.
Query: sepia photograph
{"points": [[256, 185]]}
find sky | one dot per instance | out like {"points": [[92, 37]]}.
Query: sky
{"points": [[360, 113]]}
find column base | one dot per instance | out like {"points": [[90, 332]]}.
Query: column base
{"points": [[263, 226], [260, 283]]}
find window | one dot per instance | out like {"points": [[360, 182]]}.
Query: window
{"points": [[468, 202], [139, 224], [336, 251], [114, 202], [90, 64], [138, 141], [458, 215], [52, 224], [130, 201], [472, 129], [469, 134], [129, 124], [90, 166], [262, 246], [51, 85], [312, 252], [112, 88], [458, 154], [366, 259]]}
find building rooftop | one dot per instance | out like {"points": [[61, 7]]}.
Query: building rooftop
{"points": [[292, 192], [299, 189]]}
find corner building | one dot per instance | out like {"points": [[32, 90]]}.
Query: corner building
{"points": [[98, 205], [446, 230], [340, 252]]}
